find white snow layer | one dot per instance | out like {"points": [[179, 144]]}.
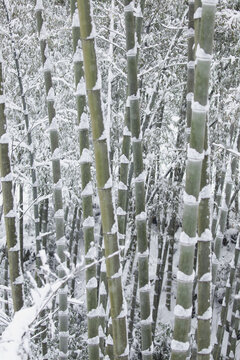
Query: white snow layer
{"points": [[5, 139], [81, 88], [179, 346], [184, 277], [187, 240], [39, 5], [84, 123], [194, 155], [180, 312], [75, 20], [88, 190], [86, 156]]}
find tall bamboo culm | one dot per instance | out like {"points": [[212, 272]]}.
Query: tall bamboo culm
{"points": [[87, 191], [185, 276], [57, 182], [143, 276], [104, 181], [190, 66], [16, 277], [31, 152], [204, 261], [225, 305]]}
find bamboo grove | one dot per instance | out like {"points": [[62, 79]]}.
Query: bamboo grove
{"points": [[119, 162]]}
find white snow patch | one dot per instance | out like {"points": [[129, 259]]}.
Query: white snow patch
{"points": [[98, 84], [75, 19], [117, 274], [205, 193], [189, 199], [8, 177], [141, 217], [86, 156], [201, 55], [108, 184], [140, 177], [206, 235], [39, 5], [194, 155], [92, 283], [56, 154], [93, 340], [88, 222], [124, 159], [77, 57], [59, 214], [126, 131], [198, 108], [179, 346], [207, 315], [103, 136], [187, 240], [88, 190], [84, 123], [11, 214], [48, 66], [2, 99], [5, 139], [184, 277], [122, 186], [207, 277], [51, 95], [81, 88], [180, 312], [198, 13]]}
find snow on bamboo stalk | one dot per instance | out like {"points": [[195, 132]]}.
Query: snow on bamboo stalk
{"points": [[204, 261], [235, 322], [190, 66], [144, 288], [31, 151], [222, 221], [57, 182], [104, 181], [225, 305], [185, 276], [124, 159], [87, 192], [8, 205]]}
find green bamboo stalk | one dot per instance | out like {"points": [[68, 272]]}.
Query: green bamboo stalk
{"points": [[8, 204], [231, 349], [190, 66], [222, 221], [87, 192], [144, 289], [102, 308], [183, 310], [171, 233], [57, 182], [31, 161], [133, 307], [44, 226], [225, 305], [125, 157], [161, 262], [204, 261], [6, 306], [104, 181], [234, 323]]}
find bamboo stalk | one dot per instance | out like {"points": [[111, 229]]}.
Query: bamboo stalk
{"points": [[15, 273], [183, 310], [104, 181], [57, 182]]}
